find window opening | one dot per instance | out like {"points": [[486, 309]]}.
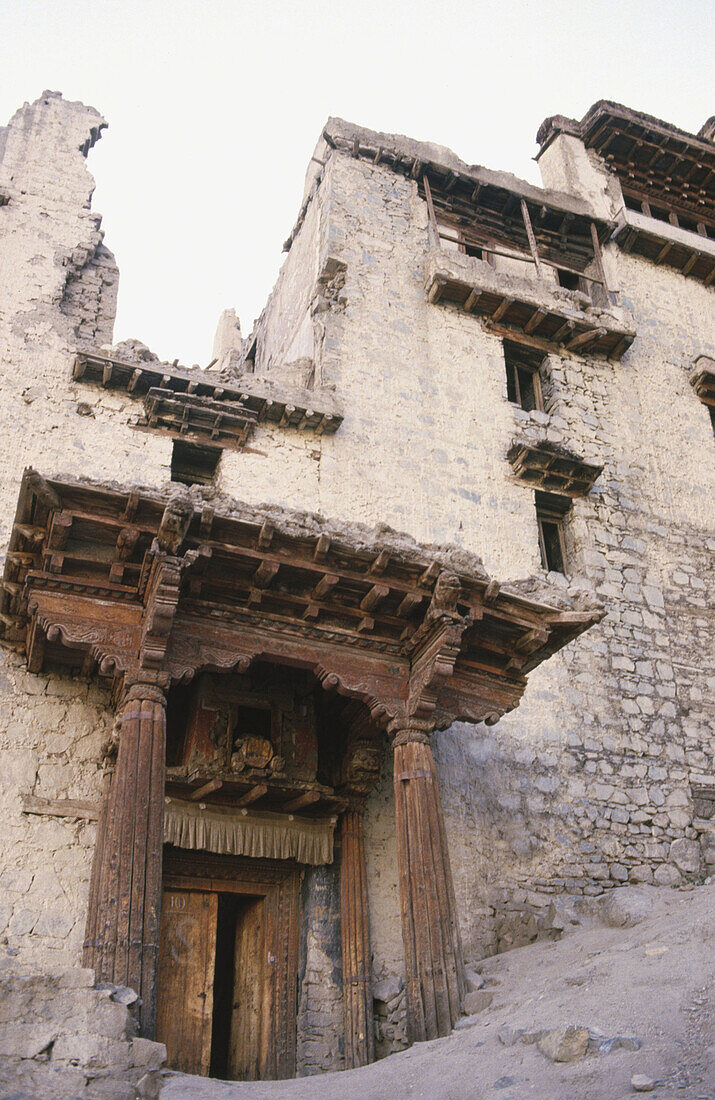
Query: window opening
{"points": [[568, 279], [523, 379], [192, 464], [551, 511]]}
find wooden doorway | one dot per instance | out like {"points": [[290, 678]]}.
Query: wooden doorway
{"points": [[228, 965]]}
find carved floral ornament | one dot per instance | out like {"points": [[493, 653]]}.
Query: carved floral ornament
{"points": [[122, 583]]}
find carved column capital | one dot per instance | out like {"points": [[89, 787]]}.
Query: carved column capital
{"points": [[144, 684], [406, 731]]}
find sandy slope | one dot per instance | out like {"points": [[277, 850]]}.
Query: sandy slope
{"points": [[653, 980]]}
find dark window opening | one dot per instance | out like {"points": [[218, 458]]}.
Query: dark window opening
{"points": [[632, 203], [253, 722], [568, 279], [712, 415], [659, 213], [687, 223], [473, 250], [551, 511], [523, 380], [192, 464]]}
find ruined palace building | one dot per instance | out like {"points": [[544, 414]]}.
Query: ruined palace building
{"points": [[358, 654]]}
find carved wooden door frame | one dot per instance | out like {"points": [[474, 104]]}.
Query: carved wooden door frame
{"points": [[278, 882]]}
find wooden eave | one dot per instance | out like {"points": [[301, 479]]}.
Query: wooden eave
{"points": [[653, 158], [85, 552], [200, 406], [552, 471], [702, 379], [552, 320], [690, 253]]}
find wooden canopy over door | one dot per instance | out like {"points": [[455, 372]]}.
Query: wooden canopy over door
{"points": [[149, 590]]}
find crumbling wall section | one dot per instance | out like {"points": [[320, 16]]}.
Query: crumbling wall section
{"points": [[57, 288]]}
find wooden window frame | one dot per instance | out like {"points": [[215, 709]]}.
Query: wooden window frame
{"points": [[513, 352], [550, 508]]}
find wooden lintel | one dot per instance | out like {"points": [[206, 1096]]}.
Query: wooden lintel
{"points": [[253, 795], [208, 788], [376, 594], [60, 807], [305, 799]]}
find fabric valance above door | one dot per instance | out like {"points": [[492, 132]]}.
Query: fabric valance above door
{"points": [[258, 835]]}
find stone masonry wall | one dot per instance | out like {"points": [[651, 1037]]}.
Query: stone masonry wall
{"points": [[590, 783], [57, 286]]}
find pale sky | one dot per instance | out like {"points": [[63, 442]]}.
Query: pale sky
{"points": [[214, 108]]}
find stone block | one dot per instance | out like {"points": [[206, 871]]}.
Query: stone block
{"points": [[144, 1052], [686, 855], [626, 906], [564, 1044]]}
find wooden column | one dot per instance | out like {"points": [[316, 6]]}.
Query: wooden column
{"points": [[125, 894], [434, 968], [357, 995]]}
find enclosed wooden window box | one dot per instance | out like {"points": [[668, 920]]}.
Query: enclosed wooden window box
{"points": [[554, 471]]}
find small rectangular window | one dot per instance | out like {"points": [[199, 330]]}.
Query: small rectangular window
{"points": [[523, 380], [569, 280], [551, 511], [192, 464]]}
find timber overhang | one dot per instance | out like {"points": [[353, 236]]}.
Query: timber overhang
{"points": [[107, 580], [203, 407], [545, 316], [652, 158], [553, 469]]}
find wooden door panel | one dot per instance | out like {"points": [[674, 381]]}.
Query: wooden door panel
{"points": [[249, 1026], [187, 950]]}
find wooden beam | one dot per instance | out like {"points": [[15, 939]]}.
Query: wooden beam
{"points": [[474, 296], [253, 795], [305, 799], [265, 535], [535, 320], [531, 238], [326, 583], [502, 308], [376, 594], [321, 548], [208, 788], [265, 573], [380, 563], [60, 807], [409, 602]]}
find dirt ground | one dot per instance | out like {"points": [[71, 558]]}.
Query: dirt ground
{"points": [[652, 980]]}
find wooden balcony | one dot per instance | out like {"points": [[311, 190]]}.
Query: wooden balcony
{"points": [[691, 253], [532, 311]]}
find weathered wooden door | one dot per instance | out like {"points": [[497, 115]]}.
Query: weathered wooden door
{"points": [[249, 1025], [187, 951]]}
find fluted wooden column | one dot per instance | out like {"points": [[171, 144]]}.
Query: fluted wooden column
{"points": [[434, 968], [357, 995], [125, 893]]}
